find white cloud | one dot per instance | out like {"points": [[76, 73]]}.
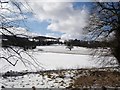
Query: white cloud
{"points": [[51, 35], [62, 17], [68, 36], [19, 31]]}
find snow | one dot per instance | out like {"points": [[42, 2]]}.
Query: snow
{"points": [[48, 79], [64, 50], [54, 57], [54, 61], [41, 80]]}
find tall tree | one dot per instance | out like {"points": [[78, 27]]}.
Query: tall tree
{"points": [[104, 23]]}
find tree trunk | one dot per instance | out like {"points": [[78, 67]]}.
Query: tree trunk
{"points": [[117, 54], [116, 46]]}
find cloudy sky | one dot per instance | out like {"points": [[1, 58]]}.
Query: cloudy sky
{"points": [[59, 19]]}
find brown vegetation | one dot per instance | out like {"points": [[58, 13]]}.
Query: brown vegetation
{"points": [[98, 79]]}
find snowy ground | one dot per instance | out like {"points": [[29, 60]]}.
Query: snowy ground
{"points": [[42, 80], [55, 57], [64, 50], [50, 79]]}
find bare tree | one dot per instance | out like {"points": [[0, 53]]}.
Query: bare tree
{"points": [[70, 47], [11, 15], [104, 24]]}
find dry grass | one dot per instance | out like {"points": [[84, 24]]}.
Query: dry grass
{"points": [[98, 78]]}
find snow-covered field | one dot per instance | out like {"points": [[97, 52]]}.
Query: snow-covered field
{"points": [[50, 79], [64, 50], [55, 57], [41, 80]]}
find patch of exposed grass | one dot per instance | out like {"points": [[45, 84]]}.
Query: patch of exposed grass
{"points": [[98, 78]]}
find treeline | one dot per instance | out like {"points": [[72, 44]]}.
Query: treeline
{"points": [[8, 40], [44, 43], [13, 74], [27, 43], [88, 44]]}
